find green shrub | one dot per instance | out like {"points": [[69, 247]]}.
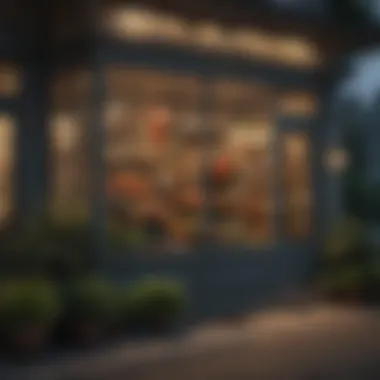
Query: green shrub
{"points": [[346, 266], [92, 300], [346, 241], [27, 302], [345, 281], [58, 248], [155, 303]]}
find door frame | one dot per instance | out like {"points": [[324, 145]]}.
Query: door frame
{"points": [[8, 107], [299, 124]]}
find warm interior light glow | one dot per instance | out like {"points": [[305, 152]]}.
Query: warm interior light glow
{"points": [[297, 51], [141, 23], [209, 35], [66, 132], [336, 159], [10, 80]]}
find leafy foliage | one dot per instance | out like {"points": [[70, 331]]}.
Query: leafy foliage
{"points": [[55, 248], [155, 302], [348, 266], [26, 302], [91, 299]]}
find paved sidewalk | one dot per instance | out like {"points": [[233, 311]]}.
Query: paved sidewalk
{"points": [[310, 343]]}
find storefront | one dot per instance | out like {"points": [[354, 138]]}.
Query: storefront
{"points": [[201, 142]]}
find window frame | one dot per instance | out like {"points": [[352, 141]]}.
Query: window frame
{"points": [[295, 124], [11, 111]]}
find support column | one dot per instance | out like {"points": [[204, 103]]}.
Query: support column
{"points": [[330, 136], [97, 148], [32, 147]]}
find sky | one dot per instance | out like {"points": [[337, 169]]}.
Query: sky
{"points": [[363, 81]]}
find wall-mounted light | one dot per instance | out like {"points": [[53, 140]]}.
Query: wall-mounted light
{"points": [[336, 160], [141, 23], [10, 80]]}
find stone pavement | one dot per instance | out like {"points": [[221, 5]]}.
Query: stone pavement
{"points": [[309, 343]]}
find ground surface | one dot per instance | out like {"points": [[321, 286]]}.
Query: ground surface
{"points": [[312, 343]]}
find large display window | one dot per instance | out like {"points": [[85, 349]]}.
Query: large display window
{"points": [[154, 156]]}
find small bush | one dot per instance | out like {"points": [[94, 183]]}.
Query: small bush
{"points": [[346, 246], [56, 248], [345, 283], [91, 311], [346, 266], [27, 302], [90, 300], [155, 303]]}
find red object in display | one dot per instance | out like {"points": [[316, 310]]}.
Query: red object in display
{"points": [[222, 169], [128, 185], [192, 199], [158, 124]]}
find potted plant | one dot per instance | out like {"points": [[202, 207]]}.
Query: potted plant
{"points": [[346, 285], [372, 285], [154, 305], [28, 311], [90, 310], [346, 264], [52, 246]]}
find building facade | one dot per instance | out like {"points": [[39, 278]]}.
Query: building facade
{"points": [[173, 122]]}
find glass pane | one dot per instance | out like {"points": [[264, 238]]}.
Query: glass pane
{"points": [[7, 161], [298, 201], [70, 172], [154, 155], [241, 195], [10, 80]]}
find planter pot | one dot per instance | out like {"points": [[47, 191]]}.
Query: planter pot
{"points": [[348, 298], [26, 341], [90, 333], [83, 334], [153, 328], [372, 295]]}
